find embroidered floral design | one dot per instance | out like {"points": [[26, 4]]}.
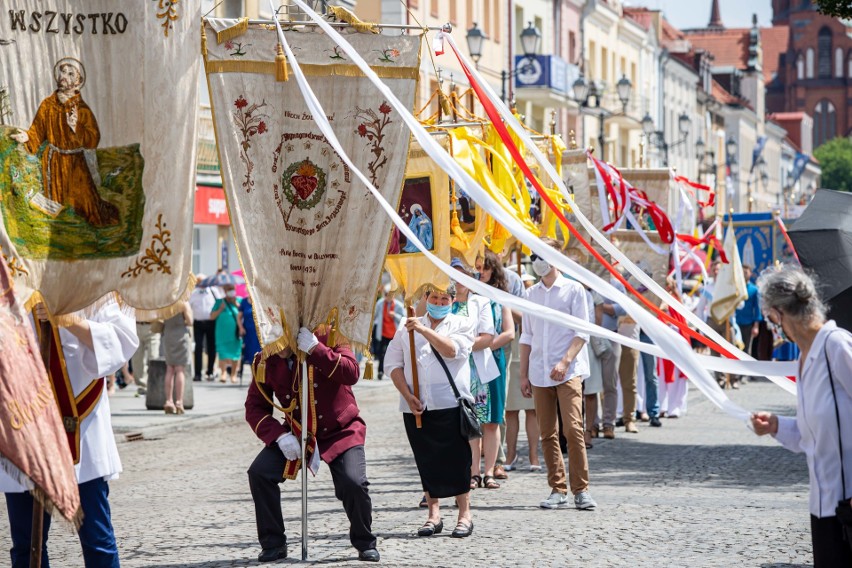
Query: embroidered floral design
{"points": [[387, 55], [167, 11], [251, 123], [371, 128], [15, 266], [236, 48], [335, 53], [155, 255]]}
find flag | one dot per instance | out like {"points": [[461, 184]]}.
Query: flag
{"points": [[311, 240], [730, 287], [799, 163], [97, 151], [34, 449], [758, 149]]}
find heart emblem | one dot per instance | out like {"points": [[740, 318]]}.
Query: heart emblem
{"points": [[305, 185]]}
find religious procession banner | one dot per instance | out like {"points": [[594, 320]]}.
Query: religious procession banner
{"points": [[311, 241], [98, 102], [424, 203], [33, 444]]}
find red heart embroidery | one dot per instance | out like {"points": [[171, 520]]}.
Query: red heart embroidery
{"points": [[305, 185]]}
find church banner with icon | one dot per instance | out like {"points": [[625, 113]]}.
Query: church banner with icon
{"points": [[310, 237], [98, 102]]}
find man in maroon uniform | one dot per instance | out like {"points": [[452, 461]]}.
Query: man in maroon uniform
{"points": [[340, 439]]}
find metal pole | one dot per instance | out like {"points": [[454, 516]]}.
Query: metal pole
{"points": [[503, 77], [37, 526], [601, 137], [305, 413]]}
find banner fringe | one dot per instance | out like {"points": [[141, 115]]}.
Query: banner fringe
{"points": [[236, 30], [344, 15]]}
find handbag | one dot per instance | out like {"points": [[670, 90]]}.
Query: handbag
{"points": [[600, 346], [469, 426], [844, 508]]}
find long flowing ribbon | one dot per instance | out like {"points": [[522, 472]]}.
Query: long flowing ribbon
{"points": [[668, 341], [717, 342], [786, 235]]}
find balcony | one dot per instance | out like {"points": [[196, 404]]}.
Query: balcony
{"points": [[544, 79]]}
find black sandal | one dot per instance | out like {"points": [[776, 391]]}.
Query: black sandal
{"points": [[475, 481], [429, 528], [463, 529], [489, 482]]}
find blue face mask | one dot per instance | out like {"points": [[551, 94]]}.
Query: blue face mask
{"points": [[437, 312]]}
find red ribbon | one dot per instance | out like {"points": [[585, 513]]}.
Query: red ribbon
{"points": [[711, 200], [708, 239]]}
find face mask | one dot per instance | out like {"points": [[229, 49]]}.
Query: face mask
{"points": [[777, 330], [541, 267], [437, 312], [231, 294]]}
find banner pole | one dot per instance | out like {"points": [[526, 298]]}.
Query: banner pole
{"points": [[37, 527], [305, 422], [415, 383]]}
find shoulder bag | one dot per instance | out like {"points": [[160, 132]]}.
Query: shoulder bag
{"points": [[844, 508], [469, 423]]}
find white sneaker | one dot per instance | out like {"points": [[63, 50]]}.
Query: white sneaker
{"points": [[555, 501], [583, 501]]}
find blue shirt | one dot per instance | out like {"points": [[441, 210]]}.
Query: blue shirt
{"points": [[750, 312]]}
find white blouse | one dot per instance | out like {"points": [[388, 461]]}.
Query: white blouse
{"points": [[435, 390], [814, 428], [114, 341]]}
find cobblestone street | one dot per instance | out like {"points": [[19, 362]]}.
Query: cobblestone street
{"points": [[700, 491]]}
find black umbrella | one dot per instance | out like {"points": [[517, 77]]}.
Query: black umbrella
{"points": [[823, 240]]}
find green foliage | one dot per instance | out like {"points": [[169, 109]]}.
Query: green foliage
{"points": [[836, 8], [36, 235], [835, 159]]}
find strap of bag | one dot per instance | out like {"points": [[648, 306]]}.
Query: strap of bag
{"points": [[837, 415], [447, 371]]}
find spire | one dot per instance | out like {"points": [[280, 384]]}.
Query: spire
{"points": [[715, 17]]}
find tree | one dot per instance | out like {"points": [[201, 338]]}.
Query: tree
{"points": [[835, 8], [835, 159]]}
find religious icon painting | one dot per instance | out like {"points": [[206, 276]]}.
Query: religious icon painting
{"points": [[415, 207]]}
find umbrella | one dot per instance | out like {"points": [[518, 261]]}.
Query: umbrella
{"points": [[823, 240], [241, 289], [222, 279]]}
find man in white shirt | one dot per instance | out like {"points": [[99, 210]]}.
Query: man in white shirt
{"points": [[92, 349], [554, 362], [203, 328]]}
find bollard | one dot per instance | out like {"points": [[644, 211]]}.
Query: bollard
{"points": [[155, 396]]}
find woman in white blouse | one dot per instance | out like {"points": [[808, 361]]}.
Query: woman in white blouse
{"points": [[441, 453], [822, 428]]}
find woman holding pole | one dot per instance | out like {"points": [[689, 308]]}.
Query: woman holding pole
{"points": [[441, 452]]}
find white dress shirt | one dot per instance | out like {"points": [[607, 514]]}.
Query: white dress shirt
{"points": [[479, 311], [548, 341], [201, 301], [814, 428], [114, 341], [435, 390]]}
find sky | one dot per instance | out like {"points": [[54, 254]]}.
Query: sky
{"points": [[686, 14]]}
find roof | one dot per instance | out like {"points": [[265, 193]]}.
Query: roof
{"points": [[774, 42], [776, 116], [723, 96], [730, 46], [642, 16]]}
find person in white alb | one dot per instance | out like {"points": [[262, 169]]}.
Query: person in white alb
{"points": [[441, 453], [554, 363], [822, 427], [92, 348]]}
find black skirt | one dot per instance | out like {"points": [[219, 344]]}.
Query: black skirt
{"points": [[441, 453]]}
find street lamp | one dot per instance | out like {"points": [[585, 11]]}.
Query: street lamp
{"points": [[731, 151], [584, 91], [475, 38], [530, 39], [657, 137]]}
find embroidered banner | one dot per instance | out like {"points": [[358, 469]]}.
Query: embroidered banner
{"points": [[33, 447], [311, 241], [98, 103]]}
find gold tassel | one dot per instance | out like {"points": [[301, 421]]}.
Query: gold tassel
{"points": [[457, 230], [345, 15], [281, 65], [368, 369], [236, 30], [203, 41], [446, 108]]}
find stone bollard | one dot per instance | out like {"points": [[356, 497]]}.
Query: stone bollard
{"points": [[155, 396]]}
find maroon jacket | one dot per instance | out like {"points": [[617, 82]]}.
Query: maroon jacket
{"points": [[339, 424]]}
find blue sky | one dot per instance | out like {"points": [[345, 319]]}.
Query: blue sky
{"points": [[696, 13]]}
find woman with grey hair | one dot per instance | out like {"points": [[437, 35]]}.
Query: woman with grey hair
{"points": [[822, 428]]}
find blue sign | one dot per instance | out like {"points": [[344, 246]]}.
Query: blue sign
{"points": [[548, 71], [758, 239]]}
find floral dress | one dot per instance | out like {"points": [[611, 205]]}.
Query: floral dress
{"points": [[479, 391]]}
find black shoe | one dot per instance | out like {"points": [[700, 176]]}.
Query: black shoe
{"points": [[272, 554], [619, 423], [655, 421], [196, 379], [430, 528], [462, 530], [369, 555]]}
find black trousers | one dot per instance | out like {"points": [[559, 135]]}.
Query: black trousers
{"points": [[204, 330], [830, 550], [382, 348], [349, 473]]}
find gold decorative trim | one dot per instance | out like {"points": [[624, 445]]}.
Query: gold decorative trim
{"points": [[167, 11], [236, 30], [15, 266], [309, 69], [155, 254], [344, 15]]}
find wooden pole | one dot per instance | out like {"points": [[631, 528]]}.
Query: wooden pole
{"points": [[37, 530], [415, 383], [728, 338], [306, 379]]}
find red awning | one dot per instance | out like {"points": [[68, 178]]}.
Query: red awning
{"points": [[210, 206]]}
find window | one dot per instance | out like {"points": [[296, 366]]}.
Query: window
{"points": [[825, 117], [572, 47], [809, 63], [800, 67], [824, 53], [453, 12], [838, 62], [495, 10], [623, 67], [468, 15], [633, 74], [232, 9], [849, 71], [593, 60], [196, 250], [604, 64], [433, 8]]}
